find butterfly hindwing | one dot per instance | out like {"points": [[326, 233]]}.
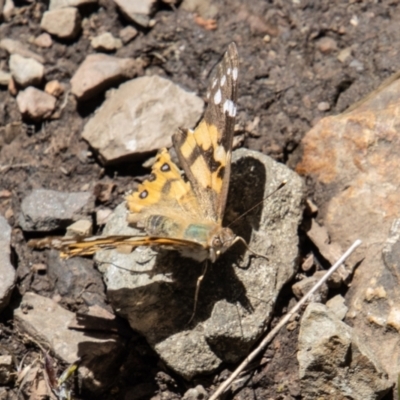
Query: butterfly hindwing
{"points": [[205, 153]]}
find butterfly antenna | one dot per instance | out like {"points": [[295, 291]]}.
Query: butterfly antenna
{"points": [[240, 239], [281, 185]]}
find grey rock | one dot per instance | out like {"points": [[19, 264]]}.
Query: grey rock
{"points": [[137, 10], [47, 323], [64, 23], [155, 290], [99, 71], [333, 362], [125, 126], [106, 42], [128, 33], [74, 276], [338, 306], [56, 4], [197, 393], [26, 71], [35, 104], [305, 285], [4, 78], [47, 210], [6, 369], [7, 271], [13, 46]]}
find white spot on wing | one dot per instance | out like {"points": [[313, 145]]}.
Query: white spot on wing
{"points": [[234, 73], [228, 71], [223, 80], [214, 83], [230, 108], [217, 97], [219, 153]]}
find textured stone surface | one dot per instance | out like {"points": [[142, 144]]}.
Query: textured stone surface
{"points": [[333, 362], [137, 10], [125, 125], [47, 323], [353, 158], [64, 23], [35, 104], [13, 46], [155, 291], [106, 42], [26, 71], [47, 210], [7, 271], [99, 71]]}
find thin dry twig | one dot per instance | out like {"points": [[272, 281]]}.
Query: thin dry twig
{"points": [[226, 385], [4, 168]]}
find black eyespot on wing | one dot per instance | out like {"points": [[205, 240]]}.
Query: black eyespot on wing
{"points": [[144, 194], [165, 167]]}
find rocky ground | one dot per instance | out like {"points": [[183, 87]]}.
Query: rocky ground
{"points": [[91, 89]]}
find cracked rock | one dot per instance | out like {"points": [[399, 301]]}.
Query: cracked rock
{"points": [[125, 126], [333, 362], [47, 210]]}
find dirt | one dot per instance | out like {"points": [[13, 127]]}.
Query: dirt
{"points": [[284, 78]]}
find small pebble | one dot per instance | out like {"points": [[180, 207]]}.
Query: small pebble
{"points": [[344, 54], [357, 65], [323, 106], [106, 41], [127, 34], [326, 45], [43, 40], [54, 88]]}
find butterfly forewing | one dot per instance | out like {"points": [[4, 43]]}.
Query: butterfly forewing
{"points": [[205, 153]]}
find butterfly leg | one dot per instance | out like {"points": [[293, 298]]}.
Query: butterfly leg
{"points": [[196, 295]]}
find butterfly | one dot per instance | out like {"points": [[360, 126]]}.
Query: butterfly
{"points": [[184, 213]]}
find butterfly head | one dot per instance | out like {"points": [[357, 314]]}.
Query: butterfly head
{"points": [[220, 241]]}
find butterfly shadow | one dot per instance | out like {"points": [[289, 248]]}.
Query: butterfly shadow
{"points": [[163, 305]]}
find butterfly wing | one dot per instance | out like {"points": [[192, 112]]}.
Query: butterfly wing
{"points": [[205, 153], [71, 247], [165, 193]]}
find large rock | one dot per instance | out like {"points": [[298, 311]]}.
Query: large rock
{"points": [[334, 363], [7, 271], [139, 118], [64, 23], [155, 291], [26, 71], [100, 71], [353, 157], [47, 323], [138, 11], [35, 104], [46, 210], [13, 46]]}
